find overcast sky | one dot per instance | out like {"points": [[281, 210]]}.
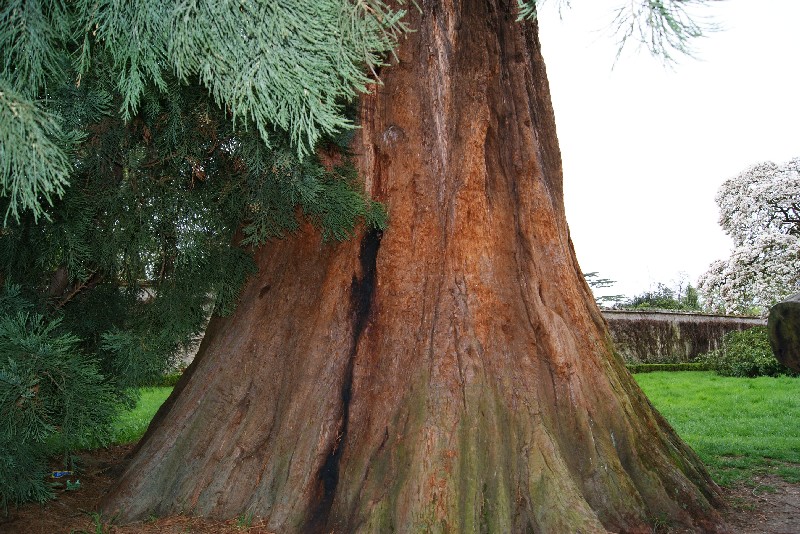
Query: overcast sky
{"points": [[646, 147]]}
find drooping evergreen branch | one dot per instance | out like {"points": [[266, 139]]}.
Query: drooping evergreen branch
{"points": [[663, 27], [34, 165], [281, 68]]}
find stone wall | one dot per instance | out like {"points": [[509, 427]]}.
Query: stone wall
{"points": [[642, 336], [670, 337]]}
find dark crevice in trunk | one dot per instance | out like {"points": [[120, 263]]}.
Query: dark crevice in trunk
{"points": [[361, 291]]}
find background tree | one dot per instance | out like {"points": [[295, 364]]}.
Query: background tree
{"points": [[452, 373], [684, 298], [760, 211], [595, 282]]}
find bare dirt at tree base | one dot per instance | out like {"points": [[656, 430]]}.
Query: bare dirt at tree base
{"points": [[768, 505]]}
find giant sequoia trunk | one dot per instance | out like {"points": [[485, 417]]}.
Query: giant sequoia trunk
{"points": [[452, 374]]}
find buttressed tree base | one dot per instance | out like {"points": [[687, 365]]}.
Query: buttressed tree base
{"points": [[452, 374]]}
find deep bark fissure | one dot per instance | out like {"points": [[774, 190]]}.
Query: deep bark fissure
{"points": [[461, 299], [361, 297]]}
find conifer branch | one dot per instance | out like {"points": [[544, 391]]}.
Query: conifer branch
{"points": [[34, 166], [93, 280]]}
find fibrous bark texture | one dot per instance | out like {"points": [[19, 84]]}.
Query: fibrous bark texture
{"points": [[452, 374]]}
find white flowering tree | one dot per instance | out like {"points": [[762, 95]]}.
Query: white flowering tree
{"points": [[760, 211]]}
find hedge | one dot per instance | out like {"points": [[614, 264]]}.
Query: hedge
{"points": [[652, 367]]}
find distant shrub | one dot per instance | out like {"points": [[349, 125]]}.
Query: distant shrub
{"points": [[168, 380], [745, 353]]}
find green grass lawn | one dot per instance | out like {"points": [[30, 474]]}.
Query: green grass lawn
{"points": [[738, 426], [131, 424]]}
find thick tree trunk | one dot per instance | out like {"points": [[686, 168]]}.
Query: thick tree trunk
{"points": [[450, 375]]}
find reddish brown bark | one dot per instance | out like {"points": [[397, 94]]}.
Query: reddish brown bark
{"points": [[450, 375]]}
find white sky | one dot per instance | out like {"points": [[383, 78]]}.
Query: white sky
{"points": [[646, 147]]}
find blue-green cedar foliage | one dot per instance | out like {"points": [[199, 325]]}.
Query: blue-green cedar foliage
{"points": [[281, 68]]}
